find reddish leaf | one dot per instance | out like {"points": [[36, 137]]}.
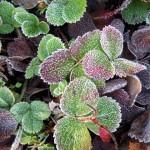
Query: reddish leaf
{"points": [[57, 66], [104, 134], [81, 27], [124, 67], [140, 128]]}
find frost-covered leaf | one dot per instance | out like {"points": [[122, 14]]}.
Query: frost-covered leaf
{"points": [[57, 66], [0, 46], [92, 127], [128, 113], [133, 88], [33, 68], [135, 12], [40, 110], [141, 43], [81, 27], [113, 85], [80, 93], [21, 17], [109, 113], [30, 124], [48, 45], [6, 28], [7, 124], [97, 66], [6, 97], [59, 11], [78, 72], [140, 128], [112, 42], [19, 110], [27, 4], [124, 67], [44, 27], [89, 41], [71, 134]]}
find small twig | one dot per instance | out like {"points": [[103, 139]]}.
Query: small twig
{"points": [[6, 39], [16, 142], [19, 33]]}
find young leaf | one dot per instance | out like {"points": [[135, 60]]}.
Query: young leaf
{"points": [[71, 134], [59, 11], [6, 28], [33, 68], [80, 93], [135, 12], [124, 67], [109, 113], [112, 42], [48, 45], [7, 124], [57, 66], [6, 97], [89, 41], [96, 65]]}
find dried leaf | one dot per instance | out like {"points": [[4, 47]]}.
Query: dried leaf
{"points": [[140, 128], [113, 85], [27, 4], [96, 65], [57, 66], [141, 43], [81, 27], [133, 88]]}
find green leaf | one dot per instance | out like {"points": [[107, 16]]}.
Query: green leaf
{"points": [[21, 17], [80, 93], [59, 11], [74, 10], [19, 110], [30, 140], [40, 110], [6, 29], [30, 124], [46, 147], [112, 42], [6, 97], [109, 113], [48, 45], [71, 134], [124, 67], [6, 10], [135, 12], [56, 67], [93, 127], [44, 27], [96, 65], [33, 68], [89, 41]]}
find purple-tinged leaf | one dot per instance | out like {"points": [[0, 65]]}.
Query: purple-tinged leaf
{"points": [[133, 88], [97, 66], [140, 43], [124, 67], [128, 113], [21, 47], [81, 27], [140, 128], [114, 85], [144, 97], [57, 66], [112, 42], [89, 41], [118, 24], [8, 124]]}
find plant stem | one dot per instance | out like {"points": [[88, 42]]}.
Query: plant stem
{"points": [[16, 142]]}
